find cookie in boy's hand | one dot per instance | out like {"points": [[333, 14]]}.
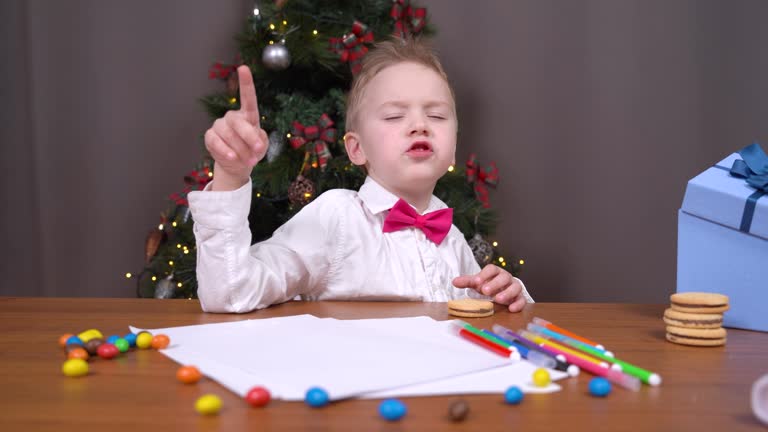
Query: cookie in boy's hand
{"points": [[696, 337], [693, 320], [470, 308], [699, 302]]}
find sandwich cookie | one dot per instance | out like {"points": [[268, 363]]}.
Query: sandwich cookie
{"points": [[698, 302], [693, 320], [470, 308], [696, 337]]}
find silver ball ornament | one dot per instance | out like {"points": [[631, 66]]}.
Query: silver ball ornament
{"points": [[276, 57], [276, 145]]}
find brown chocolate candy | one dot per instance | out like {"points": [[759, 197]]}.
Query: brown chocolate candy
{"points": [[458, 410], [92, 345]]}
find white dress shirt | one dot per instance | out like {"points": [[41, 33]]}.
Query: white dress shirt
{"points": [[333, 249]]}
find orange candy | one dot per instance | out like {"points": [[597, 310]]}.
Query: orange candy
{"points": [[160, 341], [188, 374], [78, 353], [63, 339]]}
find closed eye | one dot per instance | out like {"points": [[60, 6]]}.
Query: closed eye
{"points": [[393, 117], [437, 116]]}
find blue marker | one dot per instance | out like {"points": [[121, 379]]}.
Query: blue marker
{"points": [[560, 364]]}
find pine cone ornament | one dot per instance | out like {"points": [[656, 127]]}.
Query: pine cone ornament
{"points": [[301, 191], [482, 250], [154, 238]]}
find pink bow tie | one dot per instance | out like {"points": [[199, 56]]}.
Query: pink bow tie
{"points": [[435, 225]]}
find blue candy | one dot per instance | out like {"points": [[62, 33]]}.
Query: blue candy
{"points": [[74, 340], [316, 397], [513, 395], [112, 339], [131, 338], [599, 386], [392, 409]]}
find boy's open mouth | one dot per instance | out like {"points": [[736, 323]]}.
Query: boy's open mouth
{"points": [[420, 148]]}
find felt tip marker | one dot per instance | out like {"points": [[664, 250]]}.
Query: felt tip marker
{"points": [[645, 376], [550, 334], [485, 343], [562, 331], [560, 363]]}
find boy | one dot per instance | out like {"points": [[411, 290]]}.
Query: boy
{"points": [[391, 240]]}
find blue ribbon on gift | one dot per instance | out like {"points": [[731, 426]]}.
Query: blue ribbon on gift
{"points": [[754, 169]]}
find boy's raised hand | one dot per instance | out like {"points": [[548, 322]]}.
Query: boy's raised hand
{"points": [[496, 283], [236, 141]]}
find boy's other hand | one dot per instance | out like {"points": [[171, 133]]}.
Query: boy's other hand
{"points": [[236, 141], [497, 283]]}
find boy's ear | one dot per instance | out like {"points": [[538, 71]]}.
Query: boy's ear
{"points": [[354, 149]]}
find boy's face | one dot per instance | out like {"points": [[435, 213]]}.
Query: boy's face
{"points": [[405, 132]]}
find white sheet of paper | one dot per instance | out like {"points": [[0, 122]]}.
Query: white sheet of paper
{"points": [[346, 357]]}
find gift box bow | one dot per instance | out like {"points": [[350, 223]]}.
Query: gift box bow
{"points": [[754, 170]]}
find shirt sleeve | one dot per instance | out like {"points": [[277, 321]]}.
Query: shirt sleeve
{"points": [[234, 276]]}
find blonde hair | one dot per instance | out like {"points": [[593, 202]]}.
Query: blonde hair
{"points": [[384, 55]]}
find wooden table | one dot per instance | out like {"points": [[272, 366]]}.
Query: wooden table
{"points": [[704, 389]]}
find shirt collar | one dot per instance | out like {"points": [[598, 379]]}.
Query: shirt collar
{"points": [[378, 199]]}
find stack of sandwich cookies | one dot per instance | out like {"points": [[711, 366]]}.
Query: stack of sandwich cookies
{"points": [[696, 319]]}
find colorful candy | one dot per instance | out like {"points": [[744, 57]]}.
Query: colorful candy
{"points": [[107, 351], [131, 338], [458, 410], [92, 345], [599, 386], [63, 339], [74, 340], [258, 396], [112, 339], [78, 353], [90, 334], [160, 341], [75, 367], [208, 404], [316, 397], [188, 374], [122, 345], [392, 409], [513, 395], [541, 377], [144, 340]]}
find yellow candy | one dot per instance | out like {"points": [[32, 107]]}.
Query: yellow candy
{"points": [[144, 340], [90, 334], [75, 367], [208, 404], [541, 377]]}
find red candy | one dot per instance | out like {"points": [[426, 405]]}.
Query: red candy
{"points": [[107, 351], [258, 396]]}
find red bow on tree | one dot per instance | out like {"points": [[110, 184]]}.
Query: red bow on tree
{"points": [[482, 177], [351, 48], [316, 137], [408, 20], [195, 180]]}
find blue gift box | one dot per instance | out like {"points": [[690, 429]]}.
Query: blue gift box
{"points": [[723, 237]]}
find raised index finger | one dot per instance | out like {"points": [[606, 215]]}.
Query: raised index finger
{"points": [[248, 102]]}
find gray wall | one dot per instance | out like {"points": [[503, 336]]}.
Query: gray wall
{"points": [[597, 112]]}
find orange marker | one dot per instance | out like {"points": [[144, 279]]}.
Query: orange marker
{"points": [[546, 324]]}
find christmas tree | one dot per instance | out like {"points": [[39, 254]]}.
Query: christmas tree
{"points": [[303, 55]]}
